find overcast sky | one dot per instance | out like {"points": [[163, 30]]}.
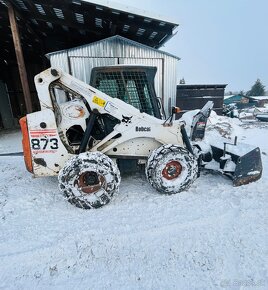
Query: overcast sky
{"points": [[218, 41]]}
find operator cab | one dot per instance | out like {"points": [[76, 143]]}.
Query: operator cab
{"points": [[132, 84]]}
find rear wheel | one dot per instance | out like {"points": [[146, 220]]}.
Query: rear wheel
{"points": [[171, 169], [89, 180]]}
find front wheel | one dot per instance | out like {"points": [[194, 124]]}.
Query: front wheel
{"points": [[171, 169], [89, 180]]}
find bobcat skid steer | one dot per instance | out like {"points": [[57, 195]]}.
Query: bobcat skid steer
{"points": [[86, 133]]}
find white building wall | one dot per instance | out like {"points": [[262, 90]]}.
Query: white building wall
{"points": [[117, 50]]}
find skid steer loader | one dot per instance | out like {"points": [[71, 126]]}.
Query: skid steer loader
{"points": [[87, 134]]}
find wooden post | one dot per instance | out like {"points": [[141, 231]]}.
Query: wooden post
{"points": [[20, 59]]}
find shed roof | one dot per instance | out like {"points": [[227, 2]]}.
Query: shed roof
{"points": [[259, 98], [48, 25], [111, 40], [198, 87], [132, 10]]}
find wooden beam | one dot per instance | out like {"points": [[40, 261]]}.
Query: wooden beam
{"points": [[20, 58]]}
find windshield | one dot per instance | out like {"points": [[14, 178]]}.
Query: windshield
{"points": [[129, 86]]}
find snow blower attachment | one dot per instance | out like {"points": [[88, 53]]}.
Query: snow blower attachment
{"points": [[89, 134], [241, 162]]}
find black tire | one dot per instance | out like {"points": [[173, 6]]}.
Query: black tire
{"points": [[171, 169], [89, 180]]}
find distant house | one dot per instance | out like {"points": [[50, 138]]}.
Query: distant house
{"points": [[235, 99], [260, 101], [245, 101], [240, 101]]}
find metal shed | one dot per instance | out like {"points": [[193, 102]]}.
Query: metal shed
{"points": [[191, 97], [114, 50]]}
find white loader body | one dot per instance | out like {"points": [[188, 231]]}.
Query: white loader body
{"points": [[136, 135], [87, 138]]}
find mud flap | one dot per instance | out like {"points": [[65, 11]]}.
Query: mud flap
{"points": [[248, 168]]}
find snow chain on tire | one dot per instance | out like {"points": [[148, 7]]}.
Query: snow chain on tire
{"points": [[97, 165], [181, 161]]}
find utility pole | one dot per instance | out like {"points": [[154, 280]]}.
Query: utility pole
{"points": [[20, 58]]}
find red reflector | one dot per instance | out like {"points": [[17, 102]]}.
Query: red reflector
{"points": [[26, 144]]}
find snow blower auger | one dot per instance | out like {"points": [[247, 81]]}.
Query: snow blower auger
{"points": [[88, 134]]}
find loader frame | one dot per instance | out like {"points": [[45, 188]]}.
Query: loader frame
{"points": [[131, 134], [134, 136]]}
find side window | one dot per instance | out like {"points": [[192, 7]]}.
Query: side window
{"points": [[60, 95]]}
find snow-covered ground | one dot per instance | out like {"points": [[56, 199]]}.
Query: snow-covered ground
{"points": [[213, 236]]}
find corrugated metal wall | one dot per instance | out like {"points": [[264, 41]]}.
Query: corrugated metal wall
{"points": [[116, 50], [60, 60], [81, 66]]}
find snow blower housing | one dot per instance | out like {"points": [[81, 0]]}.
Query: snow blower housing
{"points": [[87, 134], [241, 162]]}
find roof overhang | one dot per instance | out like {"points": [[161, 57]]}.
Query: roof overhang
{"points": [[47, 25], [199, 87]]}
